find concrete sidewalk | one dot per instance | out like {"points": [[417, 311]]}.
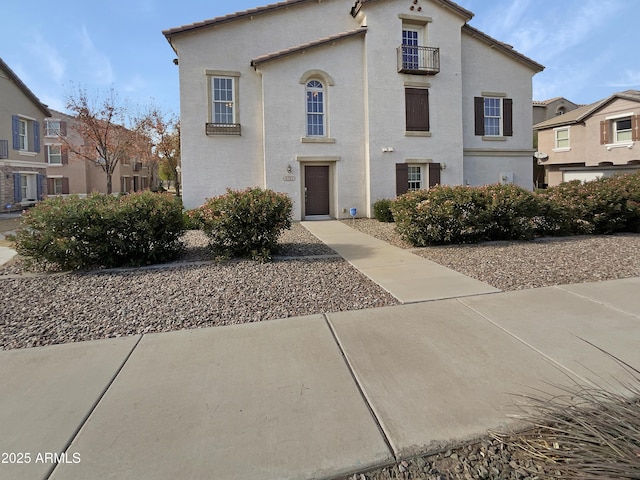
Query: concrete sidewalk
{"points": [[406, 276], [306, 398]]}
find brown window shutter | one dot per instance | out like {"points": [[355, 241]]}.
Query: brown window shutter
{"points": [[434, 174], [46, 155], [50, 186], [402, 178], [65, 185], [417, 109], [604, 132], [635, 128], [478, 111], [65, 154], [63, 129], [507, 128]]}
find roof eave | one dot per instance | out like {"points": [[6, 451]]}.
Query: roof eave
{"points": [[497, 44]]}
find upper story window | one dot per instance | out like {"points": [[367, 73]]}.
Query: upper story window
{"points": [[410, 51], [54, 154], [622, 130], [223, 100], [223, 96], [561, 139], [55, 128], [493, 116], [23, 134], [26, 134], [315, 100], [417, 109]]}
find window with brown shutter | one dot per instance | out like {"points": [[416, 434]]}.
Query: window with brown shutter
{"points": [[417, 109], [604, 132], [479, 116], [434, 174], [478, 112], [507, 117], [402, 178]]}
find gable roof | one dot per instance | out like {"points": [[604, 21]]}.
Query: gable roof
{"points": [[20, 84], [306, 46], [445, 3], [582, 113], [503, 47]]}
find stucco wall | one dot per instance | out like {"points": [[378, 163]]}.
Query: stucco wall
{"points": [[488, 70]]}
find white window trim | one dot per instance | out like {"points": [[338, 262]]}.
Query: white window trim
{"points": [[46, 127], [420, 167], [555, 139], [48, 154], [325, 133], [211, 74], [500, 118], [23, 137]]}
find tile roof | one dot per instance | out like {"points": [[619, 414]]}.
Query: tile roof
{"points": [[232, 17], [505, 48], [306, 46], [41, 106], [581, 113]]}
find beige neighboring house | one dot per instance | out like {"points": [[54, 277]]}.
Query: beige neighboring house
{"points": [[544, 110], [596, 140], [22, 160], [340, 104], [68, 173]]}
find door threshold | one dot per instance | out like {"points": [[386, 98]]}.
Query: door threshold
{"points": [[317, 217]]}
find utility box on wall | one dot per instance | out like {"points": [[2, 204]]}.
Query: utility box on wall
{"points": [[505, 177]]}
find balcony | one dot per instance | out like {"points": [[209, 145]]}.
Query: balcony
{"points": [[4, 148], [222, 129], [418, 60]]}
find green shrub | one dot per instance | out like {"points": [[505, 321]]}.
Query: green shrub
{"points": [[382, 210], [602, 206], [103, 231], [462, 214], [193, 219], [246, 223]]}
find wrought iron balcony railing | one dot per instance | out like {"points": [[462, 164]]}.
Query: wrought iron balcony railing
{"points": [[222, 129], [418, 60]]}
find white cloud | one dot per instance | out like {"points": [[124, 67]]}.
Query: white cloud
{"points": [[629, 78], [135, 84], [49, 56], [96, 64]]}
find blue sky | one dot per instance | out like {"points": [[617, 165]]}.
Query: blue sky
{"points": [[587, 46]]}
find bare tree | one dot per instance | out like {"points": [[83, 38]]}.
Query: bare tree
{"points": [[163, 130], [101, 123]]}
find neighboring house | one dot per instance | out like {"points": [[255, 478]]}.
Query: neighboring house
{"points": [[68, 173], [592, 141], [340, 104], [544, 110], [22, 161]]}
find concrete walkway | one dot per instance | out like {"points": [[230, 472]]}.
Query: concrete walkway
{"points": [[406, 276], [313, 397]]}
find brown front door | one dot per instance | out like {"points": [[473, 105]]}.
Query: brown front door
{"points": [[316, 182]]}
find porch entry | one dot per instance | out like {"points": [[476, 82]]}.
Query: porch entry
{"points": [[316, 190]]}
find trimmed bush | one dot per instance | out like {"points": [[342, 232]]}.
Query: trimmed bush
{"points": [[602, 206], [246, 223], [193, 219], [382, 210], [103, 231], [462, 214]]}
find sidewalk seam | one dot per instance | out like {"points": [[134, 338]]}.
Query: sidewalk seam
{"points": [[566, 370], [83, 422], [359, 387], [606, 305]]}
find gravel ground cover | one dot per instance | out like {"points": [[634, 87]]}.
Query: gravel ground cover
{"points": [[306, 278], [518, 265]]}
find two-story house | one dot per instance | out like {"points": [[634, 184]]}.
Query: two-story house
{"points": [[22, 162], [339, 104], [69, 173], [596, 140]]}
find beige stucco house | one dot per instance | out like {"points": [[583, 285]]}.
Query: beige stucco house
{"points": [[22, 161], [68, 173], [339, 104], [600, 139], [553, 107]]}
